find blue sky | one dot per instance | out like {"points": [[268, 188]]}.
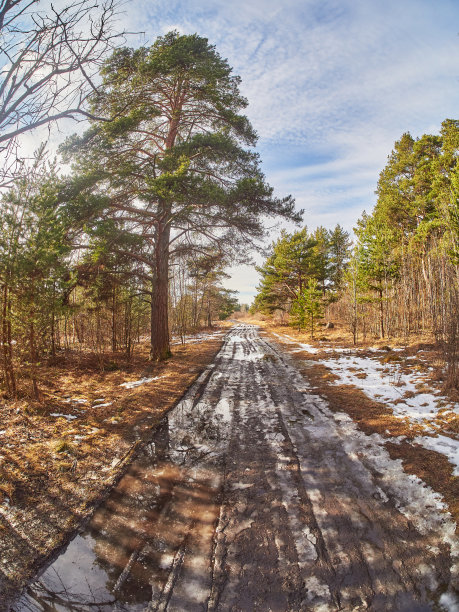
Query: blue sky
{"points": [[331, 85]]}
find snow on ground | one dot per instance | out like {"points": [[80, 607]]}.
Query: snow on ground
{"points": [[194, 338], [388, 384], [417, 501], [303, 347], [385, 383], [136, 383], [444, 445], [406, 394]]}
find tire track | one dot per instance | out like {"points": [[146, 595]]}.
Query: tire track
{"points": [[259, 498]]}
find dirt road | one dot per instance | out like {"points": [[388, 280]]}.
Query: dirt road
{"points": [[254, 496]]}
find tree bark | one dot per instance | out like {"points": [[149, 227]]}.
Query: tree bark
{"points": [[381, 313], [10, 378], [160, 341], [33, 356]]}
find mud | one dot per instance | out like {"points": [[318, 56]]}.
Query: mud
{"points": [[254, 496]]}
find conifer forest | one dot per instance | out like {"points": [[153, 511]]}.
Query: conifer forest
{"points": [[164, 443], [398, 277]]}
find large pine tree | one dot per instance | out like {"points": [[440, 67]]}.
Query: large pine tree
{"points": [[175, 163]]}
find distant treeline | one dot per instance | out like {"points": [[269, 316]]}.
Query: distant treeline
{"points": [[401, 275]]}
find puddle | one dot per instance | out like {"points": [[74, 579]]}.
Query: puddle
{"points": [[125, 557]]}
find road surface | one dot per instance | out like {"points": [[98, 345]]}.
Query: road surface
{"points": [[255, 496]]}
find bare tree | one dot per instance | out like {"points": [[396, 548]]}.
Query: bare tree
{"points": [[49, 61]]}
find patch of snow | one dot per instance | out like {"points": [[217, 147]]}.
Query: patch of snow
{"points": [[449, 602], [290, 340], [305, 347], [69, 417], [387, 383], [285, 338], [338, 349], [76, 400], [136, 383], [194, 338], [398, 439], [444, 445], [424, 507], [102, 405]]}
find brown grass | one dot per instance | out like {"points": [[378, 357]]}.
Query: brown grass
{"points": [[53, 470], [375, 417]]}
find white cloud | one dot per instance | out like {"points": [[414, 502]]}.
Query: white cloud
{"points": [[331, 84]]}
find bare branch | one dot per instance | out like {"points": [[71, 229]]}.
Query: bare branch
{"points": [[52, 63]]}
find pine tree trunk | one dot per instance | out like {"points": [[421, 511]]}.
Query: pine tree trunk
{"points": [[209, 313], [354, 313], [10, 378], [381, 313], [160, 341], [53, 323], [114, 342], [33, 356], [6, 373]]}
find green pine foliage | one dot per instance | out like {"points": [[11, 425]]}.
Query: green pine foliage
{"points": [[176, 161], [308, 308], [297, 258]]}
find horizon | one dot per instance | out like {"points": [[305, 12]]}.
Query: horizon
{"points": [[331, 86]]}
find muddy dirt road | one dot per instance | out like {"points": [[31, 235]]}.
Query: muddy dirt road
{"points": [[254, 496]]}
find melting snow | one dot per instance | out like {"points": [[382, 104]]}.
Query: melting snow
{"points": [[387, 386], [387, 383], [69, 417], [445, 446], [193, 338], [137, 383]]}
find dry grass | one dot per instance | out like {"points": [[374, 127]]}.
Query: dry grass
{"points": [[53, 469], [374, 417]]}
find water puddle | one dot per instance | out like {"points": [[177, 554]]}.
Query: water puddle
{"points": [[127, 556]]}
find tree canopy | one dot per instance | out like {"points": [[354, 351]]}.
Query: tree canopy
{"points": [[174, 168]]}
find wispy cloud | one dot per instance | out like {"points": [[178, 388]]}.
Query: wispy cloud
{"points": [[331, 84]]}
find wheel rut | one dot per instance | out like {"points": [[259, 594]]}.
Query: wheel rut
{"points": [[254, 496]]}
